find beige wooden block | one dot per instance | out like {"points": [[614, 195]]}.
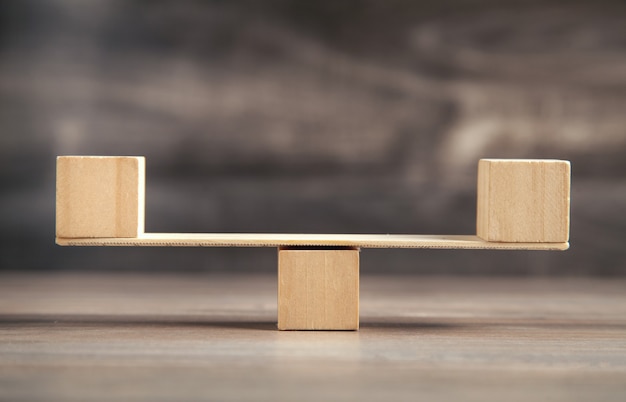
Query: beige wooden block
{"points": [[523, 200], [318, 289], [100, 196]]}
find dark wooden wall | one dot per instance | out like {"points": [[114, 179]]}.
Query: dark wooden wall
{"points": [[322, 116]]}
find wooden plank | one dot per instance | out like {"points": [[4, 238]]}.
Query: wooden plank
{"points": [[99, 196], [326, 240], [523, 200], [318, 289]]}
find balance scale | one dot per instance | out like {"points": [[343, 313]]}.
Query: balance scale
{"points": [[522, 204]]}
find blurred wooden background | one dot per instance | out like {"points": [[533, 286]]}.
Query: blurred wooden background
{"points": [[357, 116]]}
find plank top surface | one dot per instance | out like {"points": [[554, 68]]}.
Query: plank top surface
{"points": [[312, 240], [147, 337]]}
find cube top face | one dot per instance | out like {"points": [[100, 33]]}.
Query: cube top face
{"points": [[523, 200], [318, 289], [100, 196]]}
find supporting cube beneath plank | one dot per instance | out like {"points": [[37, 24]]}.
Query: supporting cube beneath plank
{"points": [[523, 200], [100, 196], [318, 289]]}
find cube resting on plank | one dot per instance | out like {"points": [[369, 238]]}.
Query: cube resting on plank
{"points": [[100, 196], [523, 200]]}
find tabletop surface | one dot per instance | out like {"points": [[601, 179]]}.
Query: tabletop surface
{"points": [[146, 337]]}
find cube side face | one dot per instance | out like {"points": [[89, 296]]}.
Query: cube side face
{"points": [[523, 201], [482, 210], [318, 290], [100, 196]]}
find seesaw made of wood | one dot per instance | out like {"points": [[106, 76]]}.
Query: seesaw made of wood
{"points": [[521, 205]]}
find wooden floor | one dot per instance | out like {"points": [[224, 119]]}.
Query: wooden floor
{"points": [[150, 337]]}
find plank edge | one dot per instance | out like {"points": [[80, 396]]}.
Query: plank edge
{"points": [[314, 240]]}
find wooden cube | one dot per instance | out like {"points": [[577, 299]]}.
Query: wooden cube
{"points": [[523, 200], [100, 196], [318, 289]]}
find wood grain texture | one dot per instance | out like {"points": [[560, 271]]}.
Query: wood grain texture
{"points": [[100, 196], [523, 200], [326, 240], [318, 289], [146, 337]]}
